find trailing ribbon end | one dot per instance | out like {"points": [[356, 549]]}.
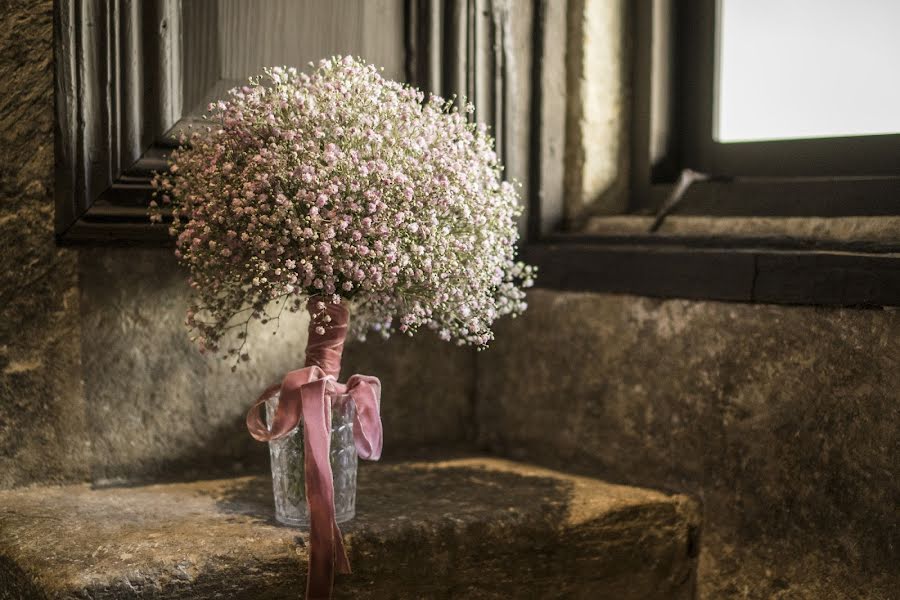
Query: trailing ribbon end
{"points": [[304, 399]]}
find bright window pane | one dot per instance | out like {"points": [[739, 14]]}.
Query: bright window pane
{"points": [[807, 69]]}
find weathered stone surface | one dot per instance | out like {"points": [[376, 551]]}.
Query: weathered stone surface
{"points": [[428, 389], [159, 409], [785, 420], [43, 436], [156, 406], [466, 528], [877, 231], [597, 128], [798, 566]]}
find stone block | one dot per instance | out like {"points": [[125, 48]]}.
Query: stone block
{"points": [[463, 528], [784, 420]]}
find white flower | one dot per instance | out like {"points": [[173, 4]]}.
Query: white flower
{"points": [[342, 183]]}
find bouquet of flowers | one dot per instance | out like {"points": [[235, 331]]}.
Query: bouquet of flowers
{"points": [[349, 194], [345, 187]]}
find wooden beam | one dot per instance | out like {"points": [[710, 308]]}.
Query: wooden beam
{"points": [[831, 278]]}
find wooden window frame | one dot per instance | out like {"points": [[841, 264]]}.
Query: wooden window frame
{"points": [[117, 94], [110, 119], [673, 107], [119, 111], [695, 40], [671, 95]]}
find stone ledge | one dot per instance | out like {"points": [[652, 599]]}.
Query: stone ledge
{"points": [[472, 528]]}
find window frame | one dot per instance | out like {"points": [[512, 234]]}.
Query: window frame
{"points": [[673, 79], [120, 109], [742, 268], [868, 156], [116, 97], [512, 62]]}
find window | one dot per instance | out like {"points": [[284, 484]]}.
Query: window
{"points": [[767, 130], [797, 98], [806, 69], [770, 199], [813, 49], [131, 76]]}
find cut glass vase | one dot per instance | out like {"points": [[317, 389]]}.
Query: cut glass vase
{"points": [[288, 473]]}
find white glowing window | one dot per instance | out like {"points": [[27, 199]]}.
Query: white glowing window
{"points": [[790, 69]]}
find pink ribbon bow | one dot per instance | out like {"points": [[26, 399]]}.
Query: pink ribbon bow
{"points": [[304, 399]]}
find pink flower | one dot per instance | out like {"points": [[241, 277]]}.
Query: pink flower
{"points": [[310, 187]]}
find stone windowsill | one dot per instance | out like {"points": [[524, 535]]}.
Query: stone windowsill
{"points": [[876, 232]]}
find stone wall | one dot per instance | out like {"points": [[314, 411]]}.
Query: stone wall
{"points": [[785, 421], [43, 433], [597, 108], [157, 408], [98, 379]]}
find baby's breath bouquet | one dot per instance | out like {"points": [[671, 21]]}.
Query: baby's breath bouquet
{"points": [[352, 195], [343, 186]]}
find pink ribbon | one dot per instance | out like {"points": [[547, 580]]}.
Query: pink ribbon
{"points": [[304, 399]]}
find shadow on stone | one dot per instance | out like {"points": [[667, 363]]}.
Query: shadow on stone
{"points": [[250, 497], [15, 583], [392, 493], [414, 492], [228, 451]]}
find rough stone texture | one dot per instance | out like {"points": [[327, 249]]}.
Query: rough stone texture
{"points": [[784, 420], [597, 127], [467, 528], [801, 565], [156, 406], [428, 390], [881, 231], [159, 409], [43, 435]]}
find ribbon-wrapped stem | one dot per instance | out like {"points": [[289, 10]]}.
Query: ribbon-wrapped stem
{"points": [[304, 398], [328, 324]]}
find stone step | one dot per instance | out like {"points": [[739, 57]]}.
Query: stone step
{"points": [[462, 528]]}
